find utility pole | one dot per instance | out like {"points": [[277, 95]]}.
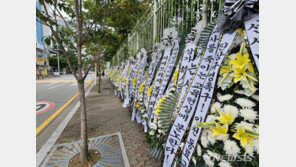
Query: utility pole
{"points": [[95, 75], [58, 62], [58, 54]]}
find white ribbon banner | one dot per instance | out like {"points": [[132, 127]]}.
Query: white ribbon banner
{"points": [[139, 82], [152, 68], [158, 79], [137, 68], [252, 30], [168, 72], [205, 98], [186, 111]]}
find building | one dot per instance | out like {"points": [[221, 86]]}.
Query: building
{"points": [[42, 62]]}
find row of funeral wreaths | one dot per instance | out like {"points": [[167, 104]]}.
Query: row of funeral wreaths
{"points": [[172, 95]]}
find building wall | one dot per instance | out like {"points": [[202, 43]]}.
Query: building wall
{"points": [[39, 28]]}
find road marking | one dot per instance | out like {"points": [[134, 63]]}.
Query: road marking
{"points": [[50, 84], [42, 153], [55, 81], [58, 85], [46, 122]]}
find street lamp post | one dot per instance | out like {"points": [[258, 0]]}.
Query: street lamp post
{"points": [[58, 62]]}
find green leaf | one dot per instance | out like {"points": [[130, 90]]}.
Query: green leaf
{"points": [[47, 41]]}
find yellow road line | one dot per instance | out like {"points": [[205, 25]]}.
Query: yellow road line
{"points": [[46, 122], [55, 81]]}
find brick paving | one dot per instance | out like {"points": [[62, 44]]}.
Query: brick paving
{"points": [[105, 115]]}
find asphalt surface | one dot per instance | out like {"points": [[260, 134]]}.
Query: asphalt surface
{"points": [[57, 91]]}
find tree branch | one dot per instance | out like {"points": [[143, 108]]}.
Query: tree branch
{"points": [[94, 61], [60, 43]]}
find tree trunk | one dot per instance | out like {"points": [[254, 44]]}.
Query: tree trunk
{"points": [[99, 79], [83, 122]]}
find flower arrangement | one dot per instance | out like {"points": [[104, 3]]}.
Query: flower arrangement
{"points": [[230, 135], [238, 69]]}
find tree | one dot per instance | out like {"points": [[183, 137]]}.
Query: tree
{"points": [[53, 62], [92, 24], [70, 39]]}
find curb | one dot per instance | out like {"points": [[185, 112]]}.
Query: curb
{"points": [[53, 138]]}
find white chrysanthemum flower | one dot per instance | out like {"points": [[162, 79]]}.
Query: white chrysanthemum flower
{"points": [[208, 160], [231, 148], [153, 126], [245, 102], [222, 137], [152, 132], [256, 144], [222, 98], [198, 148], [194, 160], [248, 114], [240, 92], [230, 108], [224, 164], [245, 125], [217, 105], [210, 118], [214, 155], [249, 149], [211, 139], [204, 141], [255, 97]]}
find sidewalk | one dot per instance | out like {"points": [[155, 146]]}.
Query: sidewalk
{"points": [[105, 115]]}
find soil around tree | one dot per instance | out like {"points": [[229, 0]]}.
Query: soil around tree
{"points": [[94, 157]]}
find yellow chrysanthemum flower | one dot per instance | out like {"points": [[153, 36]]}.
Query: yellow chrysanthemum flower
{"points": [[175, 76], [125, 80], [240, 31], [138, 105], [240, 60], [226, 69], [141, 88], [135, 81], [243, 136], [219, 130], [150, 90], [226, 119], [239, 74], [156, 112], [146, 76]]}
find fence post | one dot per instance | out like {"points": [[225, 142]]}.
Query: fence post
{"points": [[204, 13], [154, 21]]}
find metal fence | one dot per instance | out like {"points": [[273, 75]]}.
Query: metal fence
{"points": [[182, 14]]}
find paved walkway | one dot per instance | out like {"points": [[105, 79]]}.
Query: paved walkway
{"points": [[105, 115]]}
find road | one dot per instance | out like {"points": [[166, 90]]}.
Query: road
{"points": [[53, 96]]}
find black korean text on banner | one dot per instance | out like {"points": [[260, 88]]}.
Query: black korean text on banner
{"points": [[141, 78], [152, 68], [149, 80], [205, 98], [158, 79], [124, 74], [168, 72], [131, 77], [186, 111], [138, 68], [191, 69], [126, 96], [252, 30], [188, 55]]}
